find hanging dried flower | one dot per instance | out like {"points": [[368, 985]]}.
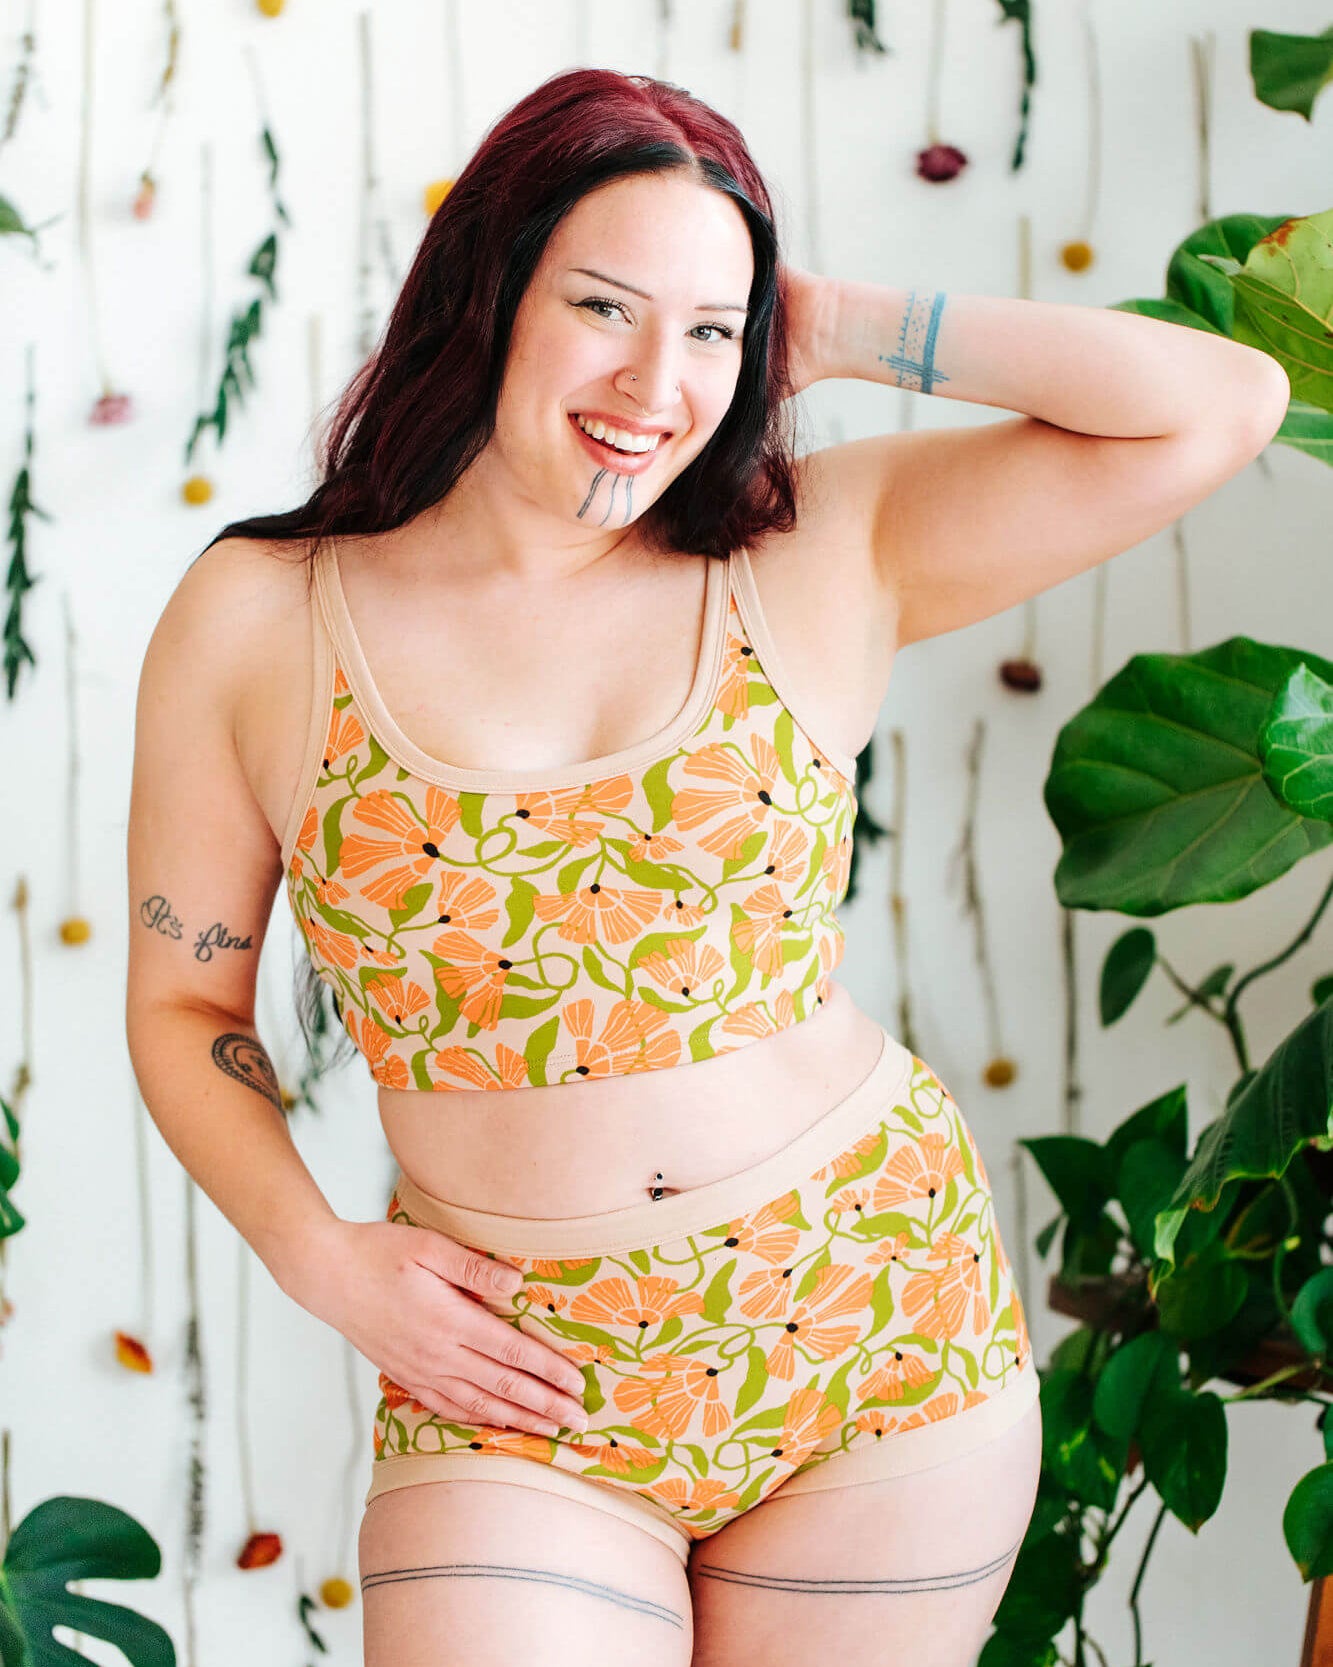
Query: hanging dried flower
{"points": [[259, 1551], [336, 1593], [75, 930], [270, 8], [864, 38], [1076, 256], [131, 1353], [999, 1073], [145, 197], [198, 489], [1021, 675], [940, 162], [112, 408], [435, 193]]}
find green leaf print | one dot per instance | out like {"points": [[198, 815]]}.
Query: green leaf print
{"points": [[835, 1389], [771, 1419], [641, 1261], [339, 920], [753, 1491], [659, 792], [538, 1049], [749, 851], [783, 734], [518, 906], [889, 1225], [698, 1458], [669, 1332], [700, 1047], [576, 1331], [881, 1301], [656, 943], [525, 1007], [593, 1399], [810, 1278], [755, 1379], [471, 807], [655, 875], [567, 878], [718, 1296], [421, 1070], [414, 900], [379, 760], [594, 969], [333, 833]]}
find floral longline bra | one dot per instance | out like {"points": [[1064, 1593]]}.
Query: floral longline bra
{"points": [[504, 929]]}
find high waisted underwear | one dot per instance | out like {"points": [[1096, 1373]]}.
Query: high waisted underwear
{"points": [[841, 1311]]}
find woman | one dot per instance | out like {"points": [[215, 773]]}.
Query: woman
{"points": [[550, 732]]}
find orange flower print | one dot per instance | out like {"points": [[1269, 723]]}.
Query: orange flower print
{"points": [[920, 1169], [899, 1373], [334, 949], [848, 1162], [836, 864], [411, 848], [598, 914], [745, 801], [617, 1456], [330, 893], [890, 1250], [667, 1393], [683, 966], [758, 932], [646, 1302], [373, 1041], [733, 695], [937, 1300], [651, 847], [305, 842], [397, 998], [839, 1290], [697, 1496], [635, 1037], [345, 732], [577, 815], [940, 1407], [680, 913], [788, 848], [395, 1396], [755, 1019], [810, 1419], [510, 1069], [473, 976], [466, 902]]}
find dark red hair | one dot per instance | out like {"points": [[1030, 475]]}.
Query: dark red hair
{"points": [[422, 408]]}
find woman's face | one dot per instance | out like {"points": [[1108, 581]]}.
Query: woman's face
{"points": [[634, 316]]}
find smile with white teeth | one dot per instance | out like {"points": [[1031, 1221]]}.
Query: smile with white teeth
{"points": [[615, 439]]}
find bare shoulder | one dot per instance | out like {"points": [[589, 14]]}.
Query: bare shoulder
{"points": [[831, 617]]}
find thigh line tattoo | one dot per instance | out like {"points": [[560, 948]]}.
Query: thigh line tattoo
{"points": [[854, 1587], [546, 1577]]}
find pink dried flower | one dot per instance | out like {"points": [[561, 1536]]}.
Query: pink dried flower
{"points": [[112, 408], [940, 162]]}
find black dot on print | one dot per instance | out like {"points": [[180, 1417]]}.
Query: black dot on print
{"points": [[550, 1308], [765, 797], [475, 1446], [772, 868], [684, 989], [431, 849], [594, 886], [523, 813], [775, 1453], [819, 1001], [897, 1354], [746, 649], [791, 1325], [786, 914], [504, 965], [976, 1256], [614, 1442], [932, 1192], [643, 1325], [818, 763], [732, 1242], [581, 1070], [444, 920], [860, 1206], [711, 1372], [786, 1273], [326, 764]]}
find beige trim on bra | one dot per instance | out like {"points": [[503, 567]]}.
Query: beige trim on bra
{"points": [[317, 730], [752, 617]]}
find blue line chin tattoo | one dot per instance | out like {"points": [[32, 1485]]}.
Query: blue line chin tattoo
{"points": [[629, 496]]}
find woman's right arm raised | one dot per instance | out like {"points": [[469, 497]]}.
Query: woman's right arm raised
{"points": [[204, 868]]}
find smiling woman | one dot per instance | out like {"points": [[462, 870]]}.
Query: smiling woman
{"points": [[685, 1250]]}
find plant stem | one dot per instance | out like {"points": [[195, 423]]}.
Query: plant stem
{"points": [[1138, 1581], [1268, 1382], [1119, 1521]]}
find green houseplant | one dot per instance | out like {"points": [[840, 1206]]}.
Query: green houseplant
{"points": [[1193, 778]]}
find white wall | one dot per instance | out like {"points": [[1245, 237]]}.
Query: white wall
{"points": [[121, 539]]}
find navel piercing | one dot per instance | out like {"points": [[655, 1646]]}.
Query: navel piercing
{"points": [[658, 1192]]}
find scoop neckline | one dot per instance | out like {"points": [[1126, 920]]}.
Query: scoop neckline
{"points": [[409, 756]]}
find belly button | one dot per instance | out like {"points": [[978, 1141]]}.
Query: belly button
{"points": [[655, 1192]]}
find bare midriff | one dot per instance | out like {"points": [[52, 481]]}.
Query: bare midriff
{"points": [[581, 1148]]}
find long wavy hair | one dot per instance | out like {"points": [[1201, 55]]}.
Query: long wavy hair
{"points": [[422, 408]]}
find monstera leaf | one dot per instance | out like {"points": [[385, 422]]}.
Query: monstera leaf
{"points": [[1158, 786], [65, 1539]]}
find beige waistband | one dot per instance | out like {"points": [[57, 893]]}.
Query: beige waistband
{"points": [[639, 1225]]}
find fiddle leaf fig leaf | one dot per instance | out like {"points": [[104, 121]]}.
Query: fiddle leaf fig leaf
{"points": [[1284, 1105], [1288, 71], [1125, 971], [1307, 1522], [1284, 303], [1296, 745], [1157, 788]]}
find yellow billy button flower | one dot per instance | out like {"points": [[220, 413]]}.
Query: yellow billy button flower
{"points": [[197, 490], [1077, 256], [435, 193], [335, 1593], [75, 930], [999, 1073]]}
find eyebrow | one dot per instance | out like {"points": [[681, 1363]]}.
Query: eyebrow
{"points": [[619, 283]]}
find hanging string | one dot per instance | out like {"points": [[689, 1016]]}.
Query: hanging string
{"points": [[206, 261], [73, 822], [905, 1029], [455, 68]]}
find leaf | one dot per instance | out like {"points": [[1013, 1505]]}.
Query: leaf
{"points": [[1296, 745], [1125, 971], [1044, 1590], [1288, 71], [1307, 1522], [1201, 1294], [1164, 1119], [1283, 1106], [1157, 790], [1143, 1370], [1076, 1171], [756, 1377], [1184, 1444], [1284, 303], [1312, 1313], [1149, 1175]]}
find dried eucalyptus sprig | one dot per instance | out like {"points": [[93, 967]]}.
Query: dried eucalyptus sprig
{"points": [[862, 14], [17, 579], [22, 77]]}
